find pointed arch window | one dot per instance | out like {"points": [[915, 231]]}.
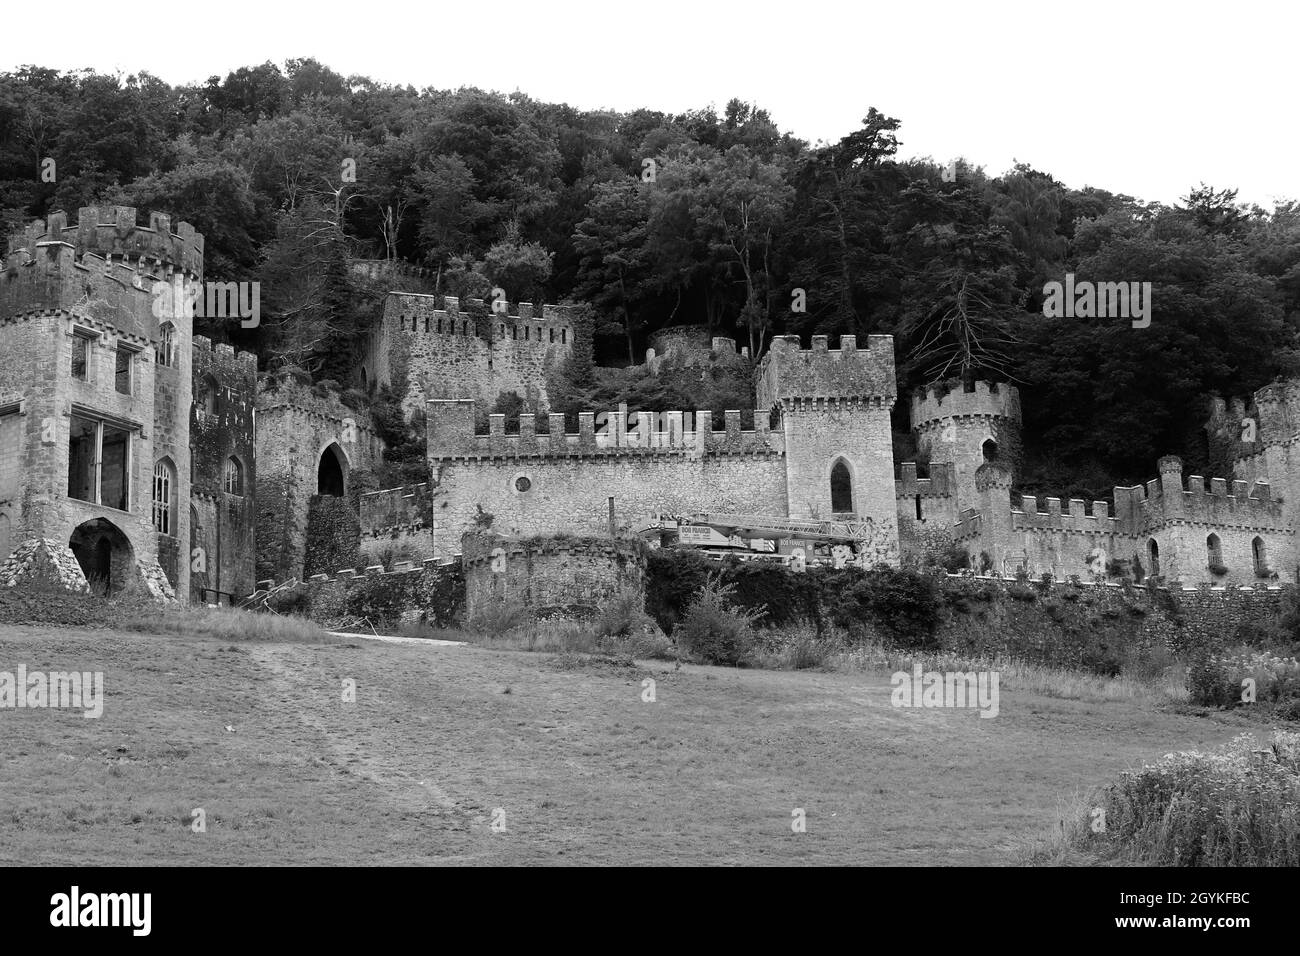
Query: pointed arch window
{"points": [[164, 497]]}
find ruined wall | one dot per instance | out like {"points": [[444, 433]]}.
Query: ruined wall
{"points": [[427, 347], [225, 531], [430, 594], [297, 425], [564, 573]]}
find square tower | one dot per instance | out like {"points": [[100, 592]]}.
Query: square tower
{"points": [[834, 410]]}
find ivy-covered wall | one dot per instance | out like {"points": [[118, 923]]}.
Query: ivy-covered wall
{"points": [[333, 536], [1090, 626], [431, 594]]}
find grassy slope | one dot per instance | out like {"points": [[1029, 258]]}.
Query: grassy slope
{"points": [[585, 771]]}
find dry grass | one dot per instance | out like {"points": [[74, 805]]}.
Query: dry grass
{"points": [[1064, 683], [587, 770], [225, 624]]}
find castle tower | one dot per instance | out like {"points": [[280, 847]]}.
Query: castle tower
{"points": [[993, 482], [834, 408], [95, 399], [968, 429]]}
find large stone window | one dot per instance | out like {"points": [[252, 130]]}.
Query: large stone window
{"points": [[81, 344], [99, 462], [1214, 552], [164, 497], [841, 488], [165, 352], [234, 476], [1260, 556], [124, 369]]}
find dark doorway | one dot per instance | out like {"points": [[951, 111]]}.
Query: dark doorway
{"points": [[329, 475], [105, 555]]}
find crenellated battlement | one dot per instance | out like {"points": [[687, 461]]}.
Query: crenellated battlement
{"points": [[289, 397], [451, 434], [791, 377], [1030, 515], [203, 344], [112, 233], [985, 399], [942, 482], [523, 326]]}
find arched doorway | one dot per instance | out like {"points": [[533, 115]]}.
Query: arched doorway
{"points": [[990, 450], [331, 473], [1153, 555], [105, 555], [841, 488], [1260, 557]]}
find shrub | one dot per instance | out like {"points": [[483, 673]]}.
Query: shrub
{"points": [[1235, 806], [714, 630], [903, 602], [1217, 680], [799, 646], [496, 618]]}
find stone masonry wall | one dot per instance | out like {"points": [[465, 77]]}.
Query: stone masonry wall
{"points": [[428, 347], [557, 573], [228, 519], [296, 425]]}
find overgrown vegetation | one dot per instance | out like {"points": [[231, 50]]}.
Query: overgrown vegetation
{"points": [[1235, 806]]}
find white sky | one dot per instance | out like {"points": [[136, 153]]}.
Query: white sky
{"points": [[1144, 97]]}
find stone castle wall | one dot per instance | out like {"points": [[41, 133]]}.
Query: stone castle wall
{"points": [[428, 347], [550, 574], [296, 426]]}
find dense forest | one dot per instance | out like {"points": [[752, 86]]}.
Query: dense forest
{"points": [[654, 220]]}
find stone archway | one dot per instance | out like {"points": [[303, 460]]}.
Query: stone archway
{"points": [[105, 555], [332, 472]]}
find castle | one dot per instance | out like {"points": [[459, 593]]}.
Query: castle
{"points": [[133, 451]]}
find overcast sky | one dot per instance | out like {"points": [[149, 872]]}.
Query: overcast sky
{"points": [[1143, 97]]}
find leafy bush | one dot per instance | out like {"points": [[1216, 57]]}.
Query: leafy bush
{"points": [[799, 646], [715, 630], [498, 617], [1216, 680], [903, 602], [1232, 807]]}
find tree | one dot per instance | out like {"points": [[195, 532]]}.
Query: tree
{"points": [[614, 272]]}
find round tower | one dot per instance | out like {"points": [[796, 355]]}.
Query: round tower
{"points": [[968, 429], [993, 482]]}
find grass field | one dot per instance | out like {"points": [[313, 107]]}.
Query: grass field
{"points": [[584, 770]]}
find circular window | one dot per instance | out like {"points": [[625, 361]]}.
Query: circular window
{"points": [[523, 483]]}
